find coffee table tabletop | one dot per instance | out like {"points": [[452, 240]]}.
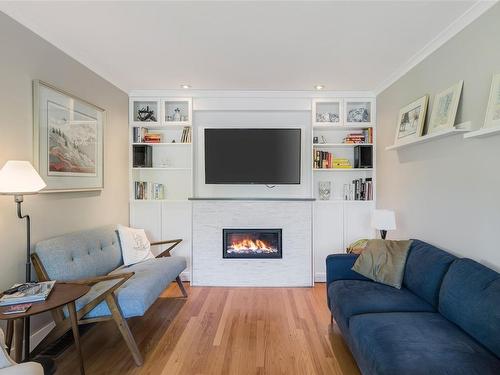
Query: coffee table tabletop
{"points": [[62, 294]]}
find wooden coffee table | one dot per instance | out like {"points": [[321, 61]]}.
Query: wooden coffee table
{"points": [[62, 294]]}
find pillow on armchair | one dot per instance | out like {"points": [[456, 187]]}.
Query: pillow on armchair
{"points": [[135, 245]]}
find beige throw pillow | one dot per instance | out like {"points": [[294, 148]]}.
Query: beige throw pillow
{"points": [[383, 261]]}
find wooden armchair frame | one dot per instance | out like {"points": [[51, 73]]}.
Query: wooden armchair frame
{"points": [[63, 323]]}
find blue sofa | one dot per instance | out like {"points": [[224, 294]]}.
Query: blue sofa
{"points": [[444, 320]]}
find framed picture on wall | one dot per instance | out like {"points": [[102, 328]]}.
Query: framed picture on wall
{"points": [[411, 120], [444, 109], [493, 111], [68, 140]]}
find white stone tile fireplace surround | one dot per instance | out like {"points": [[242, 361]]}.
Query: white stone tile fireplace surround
{"points": [[210, 217]]}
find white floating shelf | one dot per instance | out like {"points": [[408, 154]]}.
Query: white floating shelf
{"points": [[319, 145], [485, 132], [161, 144], [457, 129], [341, 127], [342, 169], [161, 169]]}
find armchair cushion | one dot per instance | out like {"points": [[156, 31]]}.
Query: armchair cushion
{"points": [[138, 293], [28, 368]]}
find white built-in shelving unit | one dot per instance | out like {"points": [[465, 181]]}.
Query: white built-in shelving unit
{"points": [[336, 222], [332, 121]]}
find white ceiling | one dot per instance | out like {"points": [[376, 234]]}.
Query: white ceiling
{"points": [[352, 45]]}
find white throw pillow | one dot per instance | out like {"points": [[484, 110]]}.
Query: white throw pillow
{"points": [[135, 245]]}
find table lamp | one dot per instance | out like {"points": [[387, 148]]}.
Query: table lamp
{"points": [[383, 220], [19, 178]]}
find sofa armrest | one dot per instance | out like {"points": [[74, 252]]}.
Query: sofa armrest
{"points": [[338, 267], [166, 253]]}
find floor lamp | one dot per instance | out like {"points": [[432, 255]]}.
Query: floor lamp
{"points": [[19, 178]]}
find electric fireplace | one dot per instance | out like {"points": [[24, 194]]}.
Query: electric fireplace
{"points": [[251, 243]]}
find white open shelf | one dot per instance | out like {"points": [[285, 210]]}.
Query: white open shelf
{"points": [[342, 169], [485, 132], [341, 201], [461, 128], [161, 169], [161, 144], [341, 127], [320, 145]]}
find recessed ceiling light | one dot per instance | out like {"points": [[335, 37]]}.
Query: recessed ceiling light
{"points": [[319, 87], [186, 86]]}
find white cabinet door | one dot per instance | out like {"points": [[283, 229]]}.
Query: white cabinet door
{"points": [[176, 223], [147, 215], [357, 221], [328, 234]]}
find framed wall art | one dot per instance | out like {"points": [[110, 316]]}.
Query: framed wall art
{"points": [[411, 120], [68, 140], [444, 109], [493, 110]]}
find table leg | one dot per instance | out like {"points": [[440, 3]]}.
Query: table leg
{"points": [[9, 334], [76, 334], [18, 340]]}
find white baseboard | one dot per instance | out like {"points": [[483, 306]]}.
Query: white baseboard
{"points": [[185, 275], [320, 277], [37, 337]]}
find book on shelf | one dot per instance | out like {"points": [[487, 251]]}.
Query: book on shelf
{"points": [[28, 293], [359, 190], [145, 190], [138, 134], [152, 138], [186, 135], [325, 160], [366, 136]]}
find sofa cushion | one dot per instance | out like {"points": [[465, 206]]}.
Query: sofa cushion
{"points": [[417, 344], [81, 255], [352, 297], [470, 297], [138, 293], [426, 266]]}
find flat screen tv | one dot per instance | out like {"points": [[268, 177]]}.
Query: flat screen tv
{"points": [[252, 156]]}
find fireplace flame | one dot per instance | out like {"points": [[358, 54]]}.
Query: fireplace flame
{"points": [[250, 244]]}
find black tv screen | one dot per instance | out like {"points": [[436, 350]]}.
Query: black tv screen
{"points": [[252, 156]]}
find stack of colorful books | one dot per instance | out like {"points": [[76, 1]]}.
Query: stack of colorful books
{"points": [[355, 138], [145, 190], [152, 138]]}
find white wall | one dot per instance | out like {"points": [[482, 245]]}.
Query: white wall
{"points": [[447, 191], [25, 57]]}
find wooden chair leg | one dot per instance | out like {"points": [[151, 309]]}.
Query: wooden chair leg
{"points": [[18, 340], [124, 328], [9, 333], [181, 286]]}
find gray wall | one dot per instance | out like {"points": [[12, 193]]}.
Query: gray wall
{"points": [[25, 57], [447, 192]]}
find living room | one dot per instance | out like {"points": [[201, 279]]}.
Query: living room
{"points": [[226, 187]]}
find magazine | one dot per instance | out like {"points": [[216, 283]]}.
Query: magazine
{"points": [[16, 309], [33, 293]]}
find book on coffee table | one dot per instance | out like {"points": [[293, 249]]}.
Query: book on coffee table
{"points": [[16, 309]]}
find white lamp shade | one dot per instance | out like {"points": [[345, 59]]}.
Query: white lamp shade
{"points": [[19, 178], [384, 220]]}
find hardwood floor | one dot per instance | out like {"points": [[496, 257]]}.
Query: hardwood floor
{"points": [[223, 331]]}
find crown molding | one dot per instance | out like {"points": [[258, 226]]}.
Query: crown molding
{"points": [[470, 15]]}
